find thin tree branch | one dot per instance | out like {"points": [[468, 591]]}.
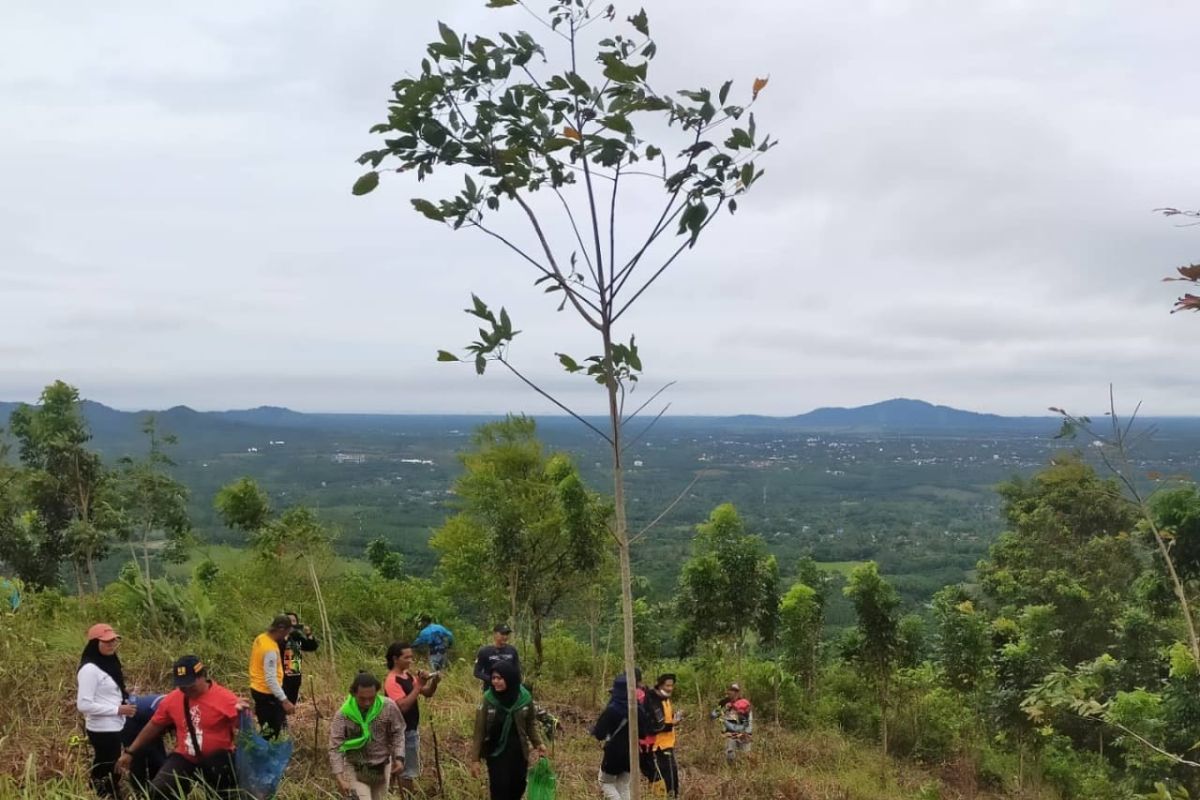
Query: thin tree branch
{"points": [[578, 237], [612, 234], [691, 240], [553, 399], [627, 272], [1141, 739], [646, 429], [575, 301], [591, 193], [640, 534], [640, 408], [659, 226], [538, 17], [566, 285]]}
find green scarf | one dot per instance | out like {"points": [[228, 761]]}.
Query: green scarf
{"points": [[353, 713], [524, 698]]}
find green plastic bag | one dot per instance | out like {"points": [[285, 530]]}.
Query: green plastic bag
{"points": [[542, 783]]}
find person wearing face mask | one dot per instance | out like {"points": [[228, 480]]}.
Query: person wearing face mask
{"points": [[204, 717], [104, 703], [664, 771]]}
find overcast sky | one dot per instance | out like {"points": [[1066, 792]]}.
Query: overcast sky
{"points": [[959, 210]]}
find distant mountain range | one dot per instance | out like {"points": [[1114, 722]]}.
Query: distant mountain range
{"points": [[896, 416], [903, 414]]}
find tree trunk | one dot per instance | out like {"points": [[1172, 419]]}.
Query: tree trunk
{"points": [[622, 534], [91, 572], [512, 599], [149, 585], [537, 642]]}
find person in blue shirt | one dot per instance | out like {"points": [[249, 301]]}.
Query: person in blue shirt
{"points": [[438, 640], [148, 760]]}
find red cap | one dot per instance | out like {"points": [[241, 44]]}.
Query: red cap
{"points": [[102, 631]]}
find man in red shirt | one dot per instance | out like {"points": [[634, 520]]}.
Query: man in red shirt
{"points": [[204, 715]]}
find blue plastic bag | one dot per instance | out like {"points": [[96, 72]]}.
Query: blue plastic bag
{"points": [[260, 763]]}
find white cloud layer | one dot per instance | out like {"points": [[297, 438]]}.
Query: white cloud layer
{"points": [[959, 210]]}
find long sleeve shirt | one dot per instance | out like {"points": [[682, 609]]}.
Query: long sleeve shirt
{"points": [[99, 700], [387, 739], [271, 674]]}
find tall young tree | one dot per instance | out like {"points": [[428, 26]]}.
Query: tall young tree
{"points": [[1067, 547], [154, 503], [730, 585], [801, 616], [529, 530], [962, 640], [563, 130], [296, 534], [68, 492], [876, 603]]}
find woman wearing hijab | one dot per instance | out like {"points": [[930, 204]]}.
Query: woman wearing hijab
{"points": [[104, 703], [613, 730], [506, 731]]}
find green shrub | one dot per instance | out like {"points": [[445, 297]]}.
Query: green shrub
{"points": [[1078, 775]]}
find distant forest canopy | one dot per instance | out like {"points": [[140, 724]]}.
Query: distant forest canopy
{"points": [[905, 483]]}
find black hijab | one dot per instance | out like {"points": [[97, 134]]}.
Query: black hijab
{"points": [[512, 681], [109, 664]]}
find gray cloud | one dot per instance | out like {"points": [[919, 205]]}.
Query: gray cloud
{"points": [[959, 210]]}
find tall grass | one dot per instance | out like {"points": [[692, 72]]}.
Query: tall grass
{"points": [[44, 753]]}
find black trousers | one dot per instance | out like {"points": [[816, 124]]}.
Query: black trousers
{"points": [[291, 687], [508, 773], [271, 717], [106, 749], [178, 776], [667, 771]]}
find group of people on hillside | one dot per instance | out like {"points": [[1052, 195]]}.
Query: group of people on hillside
{"points": [[374, 738]]}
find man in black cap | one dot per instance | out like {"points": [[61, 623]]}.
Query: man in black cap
{"points": [[499, 650], [204, 716]]}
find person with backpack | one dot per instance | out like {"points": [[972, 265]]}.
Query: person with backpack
{"points": [[366, 741], [438, 639], [663, 771], [104, 703], [612, 729], [300, 640], [737, 720], [405, 690], [204, 717], [271, 703], [506, 734], [498, 651]]}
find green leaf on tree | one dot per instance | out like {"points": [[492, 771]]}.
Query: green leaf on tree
{"points": [[640, 22], [445, 355], [427, 208], [453, 48], [366, 184]]}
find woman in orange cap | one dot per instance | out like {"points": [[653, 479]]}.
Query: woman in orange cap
{"points": [[104, 703]]}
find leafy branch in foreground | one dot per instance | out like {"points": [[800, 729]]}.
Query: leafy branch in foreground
{"points": [[1078, 692]]}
